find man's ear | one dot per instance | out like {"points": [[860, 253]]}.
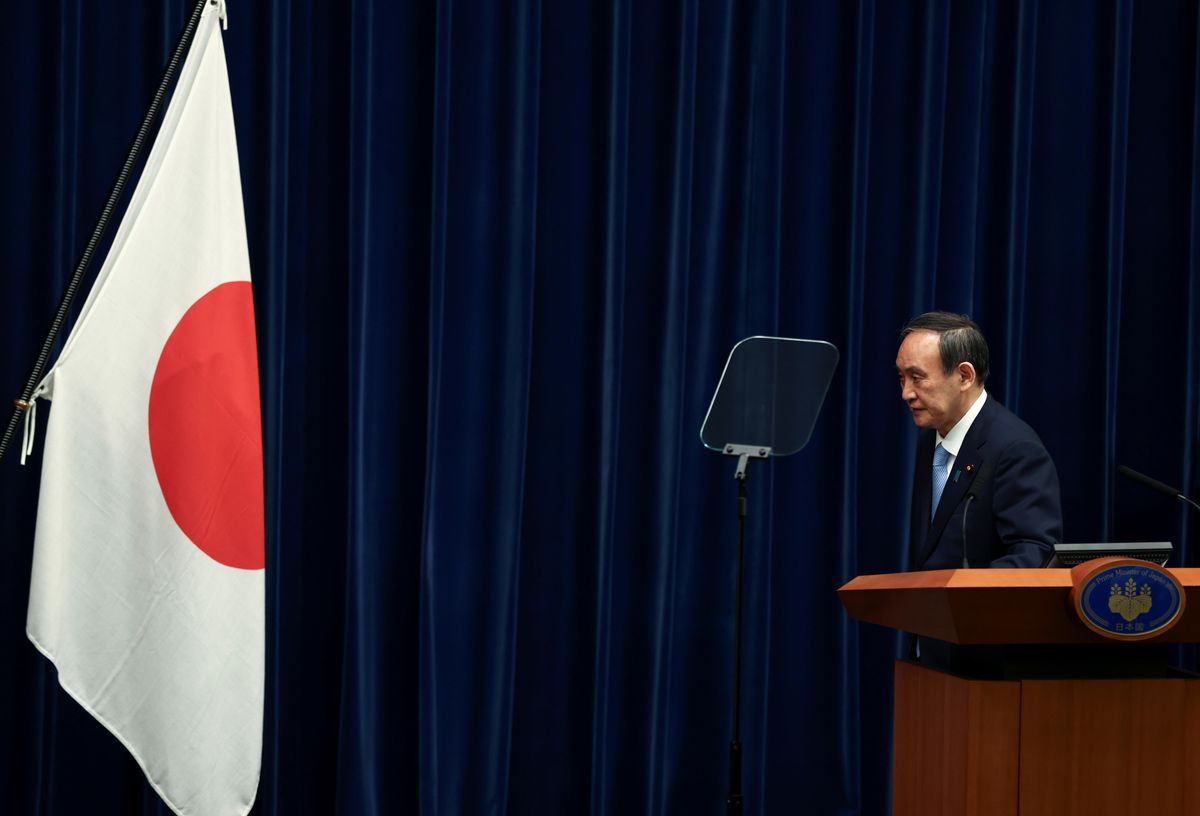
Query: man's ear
{"points": [[966, 375]]}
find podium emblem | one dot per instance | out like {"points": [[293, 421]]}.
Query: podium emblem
{"points": [[1132, 602], [1126, 598]]}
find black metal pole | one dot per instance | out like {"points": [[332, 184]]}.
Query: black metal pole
{"points": [[114, 195], [733, 804]]}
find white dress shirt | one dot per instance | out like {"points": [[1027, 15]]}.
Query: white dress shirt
{"points": [[952, 441]]}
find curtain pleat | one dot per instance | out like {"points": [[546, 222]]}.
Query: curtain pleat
{"points": [[1018, 208], [1118, 152], [613, 253], [1191, 425], [931, 138]]}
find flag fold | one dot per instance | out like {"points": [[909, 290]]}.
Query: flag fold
{"points": [[147, 589]]}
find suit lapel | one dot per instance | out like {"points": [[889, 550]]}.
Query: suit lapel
{"points": [[966, 465], [962, 474], [921, 494]]}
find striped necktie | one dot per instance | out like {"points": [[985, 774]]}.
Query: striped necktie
{"points": [[940, 457]]}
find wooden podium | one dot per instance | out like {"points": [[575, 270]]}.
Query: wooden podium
{"points": [[1081, 742]]}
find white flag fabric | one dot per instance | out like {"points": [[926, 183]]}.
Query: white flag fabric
{"points": [[148, 572]]}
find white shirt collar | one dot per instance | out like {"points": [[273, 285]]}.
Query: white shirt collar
{"points": [[953, 440]]}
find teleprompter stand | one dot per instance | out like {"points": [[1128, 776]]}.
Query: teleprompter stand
{"points": [[766, 404]]}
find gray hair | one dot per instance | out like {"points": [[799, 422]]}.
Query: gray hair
{"points": [[959, 340]]}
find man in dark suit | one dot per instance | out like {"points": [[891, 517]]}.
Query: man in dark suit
{"points": [[972, 446]]}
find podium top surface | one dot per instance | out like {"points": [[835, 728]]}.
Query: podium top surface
{"points": [[991, 606]]}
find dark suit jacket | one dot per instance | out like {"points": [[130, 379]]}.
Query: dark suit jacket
{"points": [[1015, 519]]}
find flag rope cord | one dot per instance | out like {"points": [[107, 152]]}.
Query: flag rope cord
{"points": [[21, 404]]}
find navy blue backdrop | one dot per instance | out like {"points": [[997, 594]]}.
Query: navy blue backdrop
{"points": [[500, 253]]}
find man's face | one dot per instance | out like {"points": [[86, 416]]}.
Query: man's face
{"points": [[936, 399]]}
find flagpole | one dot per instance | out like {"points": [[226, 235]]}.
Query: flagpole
{"points": [[22, 403]]}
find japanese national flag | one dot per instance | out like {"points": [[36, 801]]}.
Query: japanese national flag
{"points": [[147, 589]]}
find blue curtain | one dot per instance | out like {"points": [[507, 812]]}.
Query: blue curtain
{"points": [[500, 254]]}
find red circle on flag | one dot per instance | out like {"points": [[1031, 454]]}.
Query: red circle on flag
{"points": [[206, 429]]}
